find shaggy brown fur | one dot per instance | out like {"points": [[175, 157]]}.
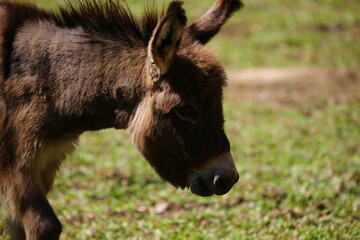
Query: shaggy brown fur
{"points": [[94, 66]]}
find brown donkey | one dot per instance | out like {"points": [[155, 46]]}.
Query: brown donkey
{"points": [[91, 66]]}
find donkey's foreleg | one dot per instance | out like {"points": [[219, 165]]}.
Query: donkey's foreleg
{"points": [[30, 208]]}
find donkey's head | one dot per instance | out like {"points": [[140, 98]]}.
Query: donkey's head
{"points": [[179, 124]]}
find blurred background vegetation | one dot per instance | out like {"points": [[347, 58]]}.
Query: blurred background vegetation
{"points": [[299, 164]]}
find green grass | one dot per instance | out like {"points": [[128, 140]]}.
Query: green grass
{"points": [[300, 179], [299, 170]]}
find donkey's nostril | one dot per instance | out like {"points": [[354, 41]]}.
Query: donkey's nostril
{"points": [[223, 182], [219, 183]]}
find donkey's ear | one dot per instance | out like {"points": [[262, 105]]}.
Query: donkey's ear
{"points": [[165, 41], [207, 26]]}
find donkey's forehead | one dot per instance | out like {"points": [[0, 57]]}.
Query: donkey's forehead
{"points": [[197, 67], [200, 56]]}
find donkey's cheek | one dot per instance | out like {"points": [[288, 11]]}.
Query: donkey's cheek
{"points": [[168, 166]]}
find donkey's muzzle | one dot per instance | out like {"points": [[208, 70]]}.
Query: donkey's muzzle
{"points": [[219, 179]]}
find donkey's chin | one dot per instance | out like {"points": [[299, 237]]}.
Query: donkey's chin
{"points": [[201, 189], [200, 184]]}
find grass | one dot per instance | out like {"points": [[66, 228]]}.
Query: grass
{"points": [[299, 170], [300, 179]]}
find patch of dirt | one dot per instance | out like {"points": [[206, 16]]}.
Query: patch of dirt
{"points": [[294, 86]]}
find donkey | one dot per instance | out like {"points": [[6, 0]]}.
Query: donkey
{"points": [[91, 66]]}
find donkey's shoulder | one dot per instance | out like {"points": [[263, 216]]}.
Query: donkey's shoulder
{"points": [[12, 16]]}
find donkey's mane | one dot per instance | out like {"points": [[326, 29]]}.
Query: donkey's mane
{"points": [[109, 18]]}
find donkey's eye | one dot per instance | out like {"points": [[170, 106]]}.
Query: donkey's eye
{"points": [[187, 112]]}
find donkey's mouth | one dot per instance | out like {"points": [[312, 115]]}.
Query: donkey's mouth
{"points": [[199, 186], [217, 181]]}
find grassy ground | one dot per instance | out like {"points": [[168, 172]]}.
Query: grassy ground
{"points": [[299, 170], [300, 179]]}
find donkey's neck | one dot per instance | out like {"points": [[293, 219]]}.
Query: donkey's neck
{"points": [[89, 83]]}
